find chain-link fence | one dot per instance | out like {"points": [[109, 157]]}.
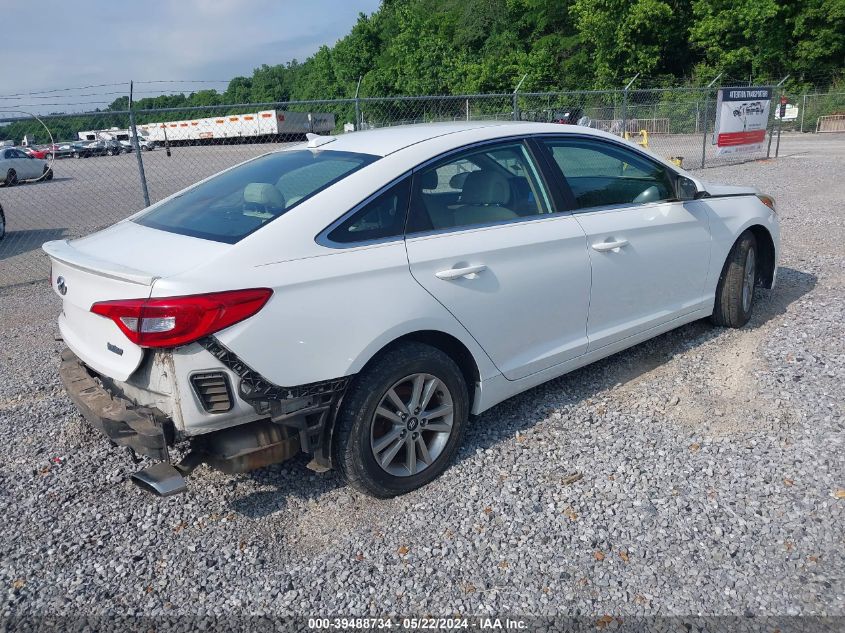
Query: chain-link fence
{"points": [[87, 171], [820, 112]]}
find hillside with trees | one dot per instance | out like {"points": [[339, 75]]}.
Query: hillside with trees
{"points": [[442, 47], [424, 47]]}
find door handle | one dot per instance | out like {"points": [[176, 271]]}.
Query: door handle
{"points": [[456, 273], [603, 247]]}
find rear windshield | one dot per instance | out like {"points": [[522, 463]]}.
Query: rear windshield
{"points": [[232, 205]]}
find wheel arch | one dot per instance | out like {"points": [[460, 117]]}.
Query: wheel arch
{"points": [[449, 345], [766, 254]]}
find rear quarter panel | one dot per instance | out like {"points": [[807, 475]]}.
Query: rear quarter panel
{"points": [[329, 314]]}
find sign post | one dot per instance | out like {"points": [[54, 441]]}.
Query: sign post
{"points": [[782, 112], [742, 116]]}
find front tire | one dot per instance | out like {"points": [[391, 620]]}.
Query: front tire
{"points": [[735, 291], [11, 178], [2, 224], [402, 421]]}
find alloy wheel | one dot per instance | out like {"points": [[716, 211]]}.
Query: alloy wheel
{"points": [[748, 280], [412, 425]]}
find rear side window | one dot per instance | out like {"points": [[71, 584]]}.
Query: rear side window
{"points": [[604, 174], [380, 218], [484, 185], [238, 202]]}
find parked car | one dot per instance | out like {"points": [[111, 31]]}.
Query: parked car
{"points": [[571, 116], [96, 148], [112, 147], [17, 166], [36, 153], [356, 298], [69, 149], [144, 144]]}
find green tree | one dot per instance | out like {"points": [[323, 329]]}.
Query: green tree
{"points": [[739, 38], [627, 37]]}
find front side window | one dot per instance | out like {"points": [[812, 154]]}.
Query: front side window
{"points": [[380, 218], [480, 186], [230, 206], [602, 174]]}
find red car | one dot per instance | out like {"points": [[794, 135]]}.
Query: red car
{"points": [[43, 154]]}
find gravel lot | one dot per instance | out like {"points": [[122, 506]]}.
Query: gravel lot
{"points": [[711, 463]]}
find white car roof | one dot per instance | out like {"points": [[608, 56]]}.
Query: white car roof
{"points": [[387, 140]]}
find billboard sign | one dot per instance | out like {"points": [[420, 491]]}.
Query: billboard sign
{"points": [[742, 116]]}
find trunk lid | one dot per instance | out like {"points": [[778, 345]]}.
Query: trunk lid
{"points": [[121, 262]]}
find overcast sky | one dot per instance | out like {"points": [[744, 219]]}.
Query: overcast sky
{"points": [[50, 44]]}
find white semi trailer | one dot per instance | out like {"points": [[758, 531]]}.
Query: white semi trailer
{"points": [[253, 126]]}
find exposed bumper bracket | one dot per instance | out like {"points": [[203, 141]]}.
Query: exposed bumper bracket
{"points": [[142, 429]]}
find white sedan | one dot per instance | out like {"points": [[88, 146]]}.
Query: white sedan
{"points": [[16, 166], [357, 298]]}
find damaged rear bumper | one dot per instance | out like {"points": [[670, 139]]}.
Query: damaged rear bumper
{"points": [[146, 431], [298, 419]]}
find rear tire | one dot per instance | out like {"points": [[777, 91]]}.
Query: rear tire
{"points": [[397, 450], [48, 173], [735, 291], [2, 224]]}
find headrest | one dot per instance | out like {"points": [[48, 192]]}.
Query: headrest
{"points": [[428, 180], [264, 194], [485, 187], [457, 181]]}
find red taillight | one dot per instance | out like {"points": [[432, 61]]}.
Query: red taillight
{"points": [[173, 321]]}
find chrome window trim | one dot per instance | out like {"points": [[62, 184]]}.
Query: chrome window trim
{"points": [[455, 150], [540, 217]]}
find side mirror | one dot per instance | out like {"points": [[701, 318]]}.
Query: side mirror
{"points": [[688, 190]]}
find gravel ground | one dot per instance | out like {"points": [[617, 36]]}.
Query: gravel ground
{"points": [[710, 475]]}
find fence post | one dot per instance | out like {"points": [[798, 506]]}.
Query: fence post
{"points": [[780, 121], [704, 119], [515, 98], [625, 105], [137, 146], [776, 120], [803, 109], [358, 105]]}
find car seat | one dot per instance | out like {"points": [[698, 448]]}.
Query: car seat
{"points": [[483, 199]]}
